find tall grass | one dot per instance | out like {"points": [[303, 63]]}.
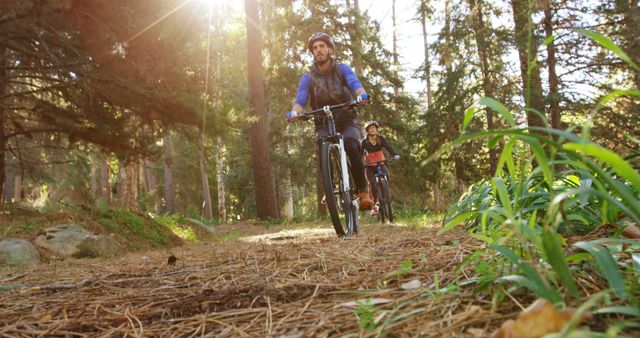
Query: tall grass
{"points": [[550, 183]]}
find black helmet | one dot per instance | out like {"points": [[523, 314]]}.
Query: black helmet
{"points": [[369, 124], [320, 36]]}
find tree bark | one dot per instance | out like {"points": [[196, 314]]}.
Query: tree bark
{"points": [[222, 207], [554, 93], [630, 12], [396, 63], [127, 190], [207, 210], [427, 64], [437, 194], [488, 86], [354, 22], [321, 208], [266, 203], [17, 188], [94, 180], [287, 208], [9, 180], [151, 184], [104, 175], [169, 184], [3, 137], [529, 70]]}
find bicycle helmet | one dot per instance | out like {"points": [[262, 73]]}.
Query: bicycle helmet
{"points": [[320, 36], [371, 123]]}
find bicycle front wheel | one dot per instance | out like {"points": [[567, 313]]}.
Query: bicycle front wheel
{"points": [[339, 201], [387, 199], [380, 196]]}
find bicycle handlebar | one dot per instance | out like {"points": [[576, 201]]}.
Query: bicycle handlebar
{"points": [[307, 115], [388, 160]]}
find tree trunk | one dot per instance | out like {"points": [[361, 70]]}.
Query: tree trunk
{"points": [[222, 208], [354, 22], [17, 188], [437, 194], [396, 63], [630, 29], [127, 188], [104, 175], [207, 211], [169, 184], [266, 203], [151, 184], [530, 73], [427, 64], [287, 208], [554, 93], [94, 180], [488, 87], [9, 180], [459, 164], [321, 208], [3, 138], [447, 38]]}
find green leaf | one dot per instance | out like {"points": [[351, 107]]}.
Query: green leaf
{"points": [[579, 257], [625, 310], [482, 237], [499, 108], [533, 281], [610, 45], [456, 221], [607, 265], [617, 93], [543, 161], [549, 39], [468, 115], [507, 157], [555, 257], [404, 268], [503, 194], [622, 167]]}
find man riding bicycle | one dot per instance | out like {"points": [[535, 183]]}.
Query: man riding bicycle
{"points": [[329, 83], [372, 146]]}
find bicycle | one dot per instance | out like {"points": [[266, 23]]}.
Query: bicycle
{"points": [[339, 187], [382, 191]]}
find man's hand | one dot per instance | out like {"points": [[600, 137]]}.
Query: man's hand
{"points": [[396, 157], [292, 116], [363, 98]]}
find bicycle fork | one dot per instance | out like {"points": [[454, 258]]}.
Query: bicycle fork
{"points": [[345, 169]]}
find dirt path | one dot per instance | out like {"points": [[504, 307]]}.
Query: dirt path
{"points": [[288, 283]]}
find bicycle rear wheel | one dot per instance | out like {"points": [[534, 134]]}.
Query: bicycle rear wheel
{"points": [[339, 202], [387, 199]]}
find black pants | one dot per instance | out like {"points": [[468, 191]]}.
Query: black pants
{"points": [[371, 177], [352, 136]]}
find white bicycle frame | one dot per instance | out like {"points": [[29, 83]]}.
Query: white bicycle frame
{"points": [[343, 158], [345, 168]]}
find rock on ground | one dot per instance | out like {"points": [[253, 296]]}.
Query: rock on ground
{"points": [[70, 240], [18, 252]]}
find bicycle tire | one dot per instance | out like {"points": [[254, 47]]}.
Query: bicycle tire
{"points": [[380, 197], [338, 201], [355, 210], [387, 199]]}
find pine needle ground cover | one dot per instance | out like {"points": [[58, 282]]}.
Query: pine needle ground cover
{"points": [[392, 280]]}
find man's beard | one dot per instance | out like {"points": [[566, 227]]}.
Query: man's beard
{"points": [[320, 63]]}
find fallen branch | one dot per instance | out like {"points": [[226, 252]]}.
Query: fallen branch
{"points": [[56, 287]]}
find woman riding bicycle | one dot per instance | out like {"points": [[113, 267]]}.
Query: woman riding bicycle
{"points": [[372, 146]]}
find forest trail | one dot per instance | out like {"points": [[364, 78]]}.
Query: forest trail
{"points": [[287, 283]]}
